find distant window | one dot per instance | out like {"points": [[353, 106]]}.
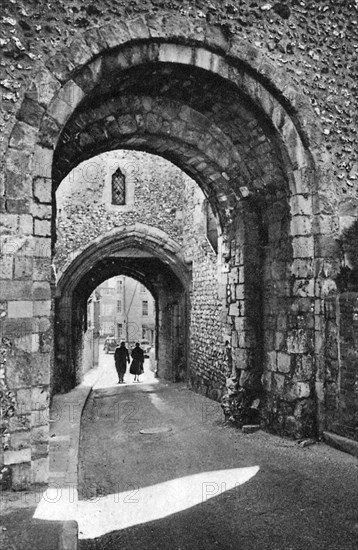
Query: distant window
{"points": [[118, 188], [144, 307], [143, 289], [120, 330], [119, 306], [144, 333]]}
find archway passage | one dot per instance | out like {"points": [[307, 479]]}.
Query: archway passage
{"points": [[218, 124], [219, 110], [129, 253]]}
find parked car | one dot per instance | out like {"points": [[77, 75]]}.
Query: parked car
{"points": [[110, 344], [146, 346]]}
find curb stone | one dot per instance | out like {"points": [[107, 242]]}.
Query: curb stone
{"points": [[341, 443], [70, 430]]}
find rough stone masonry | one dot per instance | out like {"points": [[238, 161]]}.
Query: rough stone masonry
{"points": [[257, 102]]}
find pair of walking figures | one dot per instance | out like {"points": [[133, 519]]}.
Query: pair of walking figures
{"points": [[121, 358]]}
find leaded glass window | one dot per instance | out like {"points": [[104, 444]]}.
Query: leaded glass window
{"points": [[118, 188]]}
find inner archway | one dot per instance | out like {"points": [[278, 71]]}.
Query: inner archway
{"points": [[132, 252]]}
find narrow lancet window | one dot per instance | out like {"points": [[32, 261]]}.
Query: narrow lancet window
{"points": [[118, 188]]}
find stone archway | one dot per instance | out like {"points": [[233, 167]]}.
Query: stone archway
{"points": [[143, 253], [251, 143]]}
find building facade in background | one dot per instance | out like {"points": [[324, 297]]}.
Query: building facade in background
{"points": [[127, 310]]}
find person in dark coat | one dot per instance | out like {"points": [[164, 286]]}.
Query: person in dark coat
{"points": [[121, 358], [136, 367]]}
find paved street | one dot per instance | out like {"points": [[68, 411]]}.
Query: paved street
{"points": [[197, 484]]}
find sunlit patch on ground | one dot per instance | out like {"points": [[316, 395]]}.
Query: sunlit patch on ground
{"points": [[139, 505]]}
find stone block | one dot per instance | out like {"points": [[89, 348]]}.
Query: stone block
{"points": [[304, 287], [40, 367], [20, 422], [17, 328], [138, 28], [6, 267], [215, 37], [23, 136], [40, 434], [40, 470], [31, 113], [303, 247], [115, 34], [60, 65], [20, 309], [42, 308], [41, 291], [15, 290], [271, 363], [42, 248], [283, 362], [23, 401], [301, 205], [21, 206], [240, 323], [21, 476], [9, 223], [304, 369], [303, 390], [297, 341], [42, 269], [240, 292], [267, 381], [42, 190], [234, 339], [43, 87], [25, 224], [241, 358], [302, 269], [234, 310], [17, 162], [41, 211], [27, 342], [301, 225], [327, 246], [49, 132], [18, 187], [39, 450], [71, 94], [60, 111], [280, 340], [279, 382], [127, 124], [43, 324], [345, 222], [19, 440], [23, 267], [174, 53], [40, 398], [42, 162], [17, 457], [40, 418], [42, 228]]}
